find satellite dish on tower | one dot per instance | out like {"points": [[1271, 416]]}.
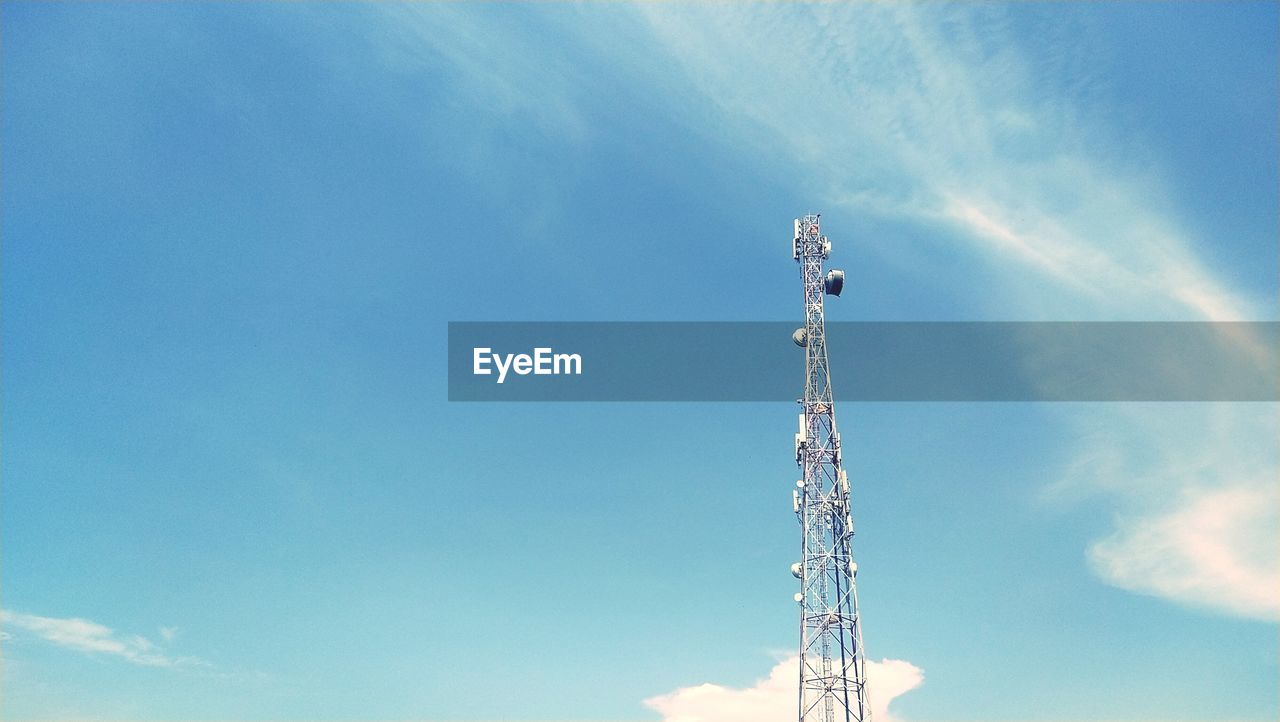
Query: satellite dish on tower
{"points": [[834, 282]]}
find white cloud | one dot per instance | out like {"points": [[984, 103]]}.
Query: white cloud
{"points": [[1216, 549], [1196, 497], [86, 636], [774, 697]]}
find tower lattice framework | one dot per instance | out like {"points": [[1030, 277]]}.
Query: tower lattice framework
{"points": [[832, 664]]}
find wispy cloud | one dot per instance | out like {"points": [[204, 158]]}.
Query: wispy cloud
{"points": [[502, 73], [934, 115], [86, 636], [774, 697]]}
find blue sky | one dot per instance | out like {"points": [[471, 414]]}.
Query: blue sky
{"points": [[234, 234]]}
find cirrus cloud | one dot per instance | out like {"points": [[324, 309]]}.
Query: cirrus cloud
{"points": [[86, 636]]}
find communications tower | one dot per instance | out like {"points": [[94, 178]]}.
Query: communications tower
{"points": [[832, 664]]}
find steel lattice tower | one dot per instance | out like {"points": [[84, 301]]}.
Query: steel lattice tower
{"points": [[832, 665]]}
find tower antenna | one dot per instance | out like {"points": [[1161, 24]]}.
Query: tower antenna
{"points": [[832, 665]]}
